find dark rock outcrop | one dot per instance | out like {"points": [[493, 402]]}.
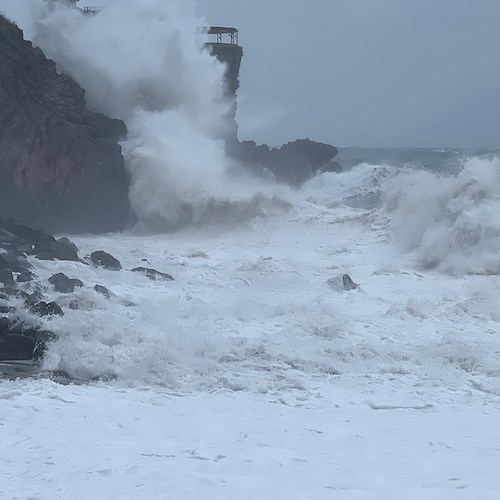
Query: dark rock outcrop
{"points": [[348, 283], [25, 277], [106, 260], [5, 326], [294, 163], [30, 241], [342, 282], [6, 277], [103, 291], [48, 248], [44, 309], [152, 274], [60, 165], [16, 263], [63, 284], [15, 347]]}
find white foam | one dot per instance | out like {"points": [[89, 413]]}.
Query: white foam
{"points": [[451, 222]]}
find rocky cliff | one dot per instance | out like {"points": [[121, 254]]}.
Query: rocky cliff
{"points": [[294, 163], [60, 165]]}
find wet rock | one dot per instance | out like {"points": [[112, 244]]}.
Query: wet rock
{"points": [[4, 264], [103, 291], [153, 274], [24, 234], [67, 242], [7, 309], [25, 248], [342, 282], [348, 283], [44, 309], [26, 329], [19, 294], [63, 284], [5, 325], [49, 248], [106, 260], [25, 277], [40, 336], [14, 347], [16, 263], [6, 277], [293, 163], [75, 305], [33, 298], [6, 237]]}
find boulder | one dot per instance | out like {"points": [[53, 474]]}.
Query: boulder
{"points": [[153, 274], [4, 264], [27, 330], [19, 294], [342, 282], [6, 277], [24, 234], [25, 248], [48, 248], [25, 277], [63, 284], [17, 264], [44, 309], [61, 165], [103, 291], [294, 163], [348, 283], [6, 237], [14, 347], [106, 260], [5, 326]]}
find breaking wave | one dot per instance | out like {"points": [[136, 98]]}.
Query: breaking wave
{"points": [[143, 63], [450, 221]]}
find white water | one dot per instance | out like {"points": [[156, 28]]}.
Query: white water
{"points": [[251, 307], [250, 376], [451, 222]]}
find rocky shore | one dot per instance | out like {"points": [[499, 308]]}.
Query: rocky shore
{"points": [[23, 295]]}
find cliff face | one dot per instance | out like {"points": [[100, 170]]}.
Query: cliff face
{"points": [[60, 165], [294, 163]]}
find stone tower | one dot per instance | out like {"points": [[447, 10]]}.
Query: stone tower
{"points": [[226, 49]]}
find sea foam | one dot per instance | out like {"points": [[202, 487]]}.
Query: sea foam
{"points": [[450, 222]]}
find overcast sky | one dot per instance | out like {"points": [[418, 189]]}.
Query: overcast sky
{"points": [[366, 72]]}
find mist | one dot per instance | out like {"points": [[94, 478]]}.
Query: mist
{"points": [[143, 63], [359, 73]]}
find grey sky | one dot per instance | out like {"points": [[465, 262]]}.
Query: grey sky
{"points": [[366, 72]]}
